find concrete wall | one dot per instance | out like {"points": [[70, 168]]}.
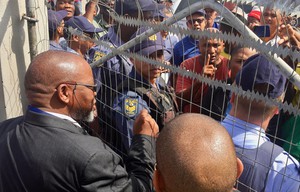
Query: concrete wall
{"points": [[15, 53]]}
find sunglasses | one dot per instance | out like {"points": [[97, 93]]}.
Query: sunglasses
{"points": [[192, 21]]}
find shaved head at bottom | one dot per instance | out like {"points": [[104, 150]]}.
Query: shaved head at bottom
{"points": [[195, 153]]}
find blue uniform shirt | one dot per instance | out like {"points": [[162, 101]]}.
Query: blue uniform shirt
{"points": [[127, 106], [184, 49], [55, 46], [63, 44], [284, 173]]}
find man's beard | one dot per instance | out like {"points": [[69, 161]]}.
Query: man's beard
{"points": [[90, 117], [85, 115]]}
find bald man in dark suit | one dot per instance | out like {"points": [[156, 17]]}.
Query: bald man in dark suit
{"points": [[47, 149]]}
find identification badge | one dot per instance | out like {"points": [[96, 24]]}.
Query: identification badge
{"points": [[98, 55], [131, 106]]}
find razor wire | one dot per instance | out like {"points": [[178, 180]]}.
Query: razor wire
{"points": [[248, 39]]}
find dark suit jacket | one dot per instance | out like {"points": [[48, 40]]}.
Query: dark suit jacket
{"points": [[40, 152]]}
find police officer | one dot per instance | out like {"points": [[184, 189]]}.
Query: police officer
{"points": [[115, 70], [143, 89]]}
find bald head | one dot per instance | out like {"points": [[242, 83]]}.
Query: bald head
{"points": [[195, 153], [48, 70]]}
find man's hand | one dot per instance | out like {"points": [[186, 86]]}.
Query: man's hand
{"points": [[144, 124], [208, 69], [164, 70], [288, 36]]}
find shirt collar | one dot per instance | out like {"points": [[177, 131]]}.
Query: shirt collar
{"points": [[55, 45], [114, 38], [64, 117], [244, 134], [61, 116]]}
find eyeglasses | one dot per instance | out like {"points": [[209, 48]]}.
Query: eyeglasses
{"points": [[89, 86], [192, 21]]}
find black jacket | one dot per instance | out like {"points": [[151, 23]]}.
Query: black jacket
{"points": [[40, 152]]}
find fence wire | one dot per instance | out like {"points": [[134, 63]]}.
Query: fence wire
{"points": [[118, 102]]}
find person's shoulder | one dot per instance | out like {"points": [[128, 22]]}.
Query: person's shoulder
{"points": [[10, 124], [181, 42], [12, 120], [97, 52], [186, 39], [55, 46], [224, 59], [288, 166], [191, 62], [173, 38], [129, 104], [186, 42], [177, 45], [287, 159], [126, 95]]}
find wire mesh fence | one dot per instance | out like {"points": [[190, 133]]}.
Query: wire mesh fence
{"points": [[194, 64], [199, 91]]}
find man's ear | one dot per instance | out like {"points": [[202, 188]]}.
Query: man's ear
{"points": [[187, 24], [60, 30], [240, 167], [223, 44], [75, 38], [64, 93], [276, 111], [158, 181]]}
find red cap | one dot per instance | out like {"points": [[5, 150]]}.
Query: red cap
{"points": [[256, 14]]}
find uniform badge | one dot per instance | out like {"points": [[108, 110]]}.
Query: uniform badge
{"points": [[131, 106], [98, 55], [153, 37]]}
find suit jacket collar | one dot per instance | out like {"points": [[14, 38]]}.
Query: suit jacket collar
{"points": [[50, 121]]}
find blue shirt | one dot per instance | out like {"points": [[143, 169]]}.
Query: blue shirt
{"points": [[122, 115], [184, 49], [216, 25], [64, 46], [55, 46], [284, 173], [63, 43]]}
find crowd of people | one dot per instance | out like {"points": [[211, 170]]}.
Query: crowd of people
{"points": [[134, 124]]}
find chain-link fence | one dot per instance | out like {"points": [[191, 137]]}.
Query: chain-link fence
{"points": [[206, 44]]}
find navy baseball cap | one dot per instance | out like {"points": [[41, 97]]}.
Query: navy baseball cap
{"points": [[128, 6], [160, 14], [55, 18], [259, 70], [82, 24], [201, 12], [150, 45]]}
